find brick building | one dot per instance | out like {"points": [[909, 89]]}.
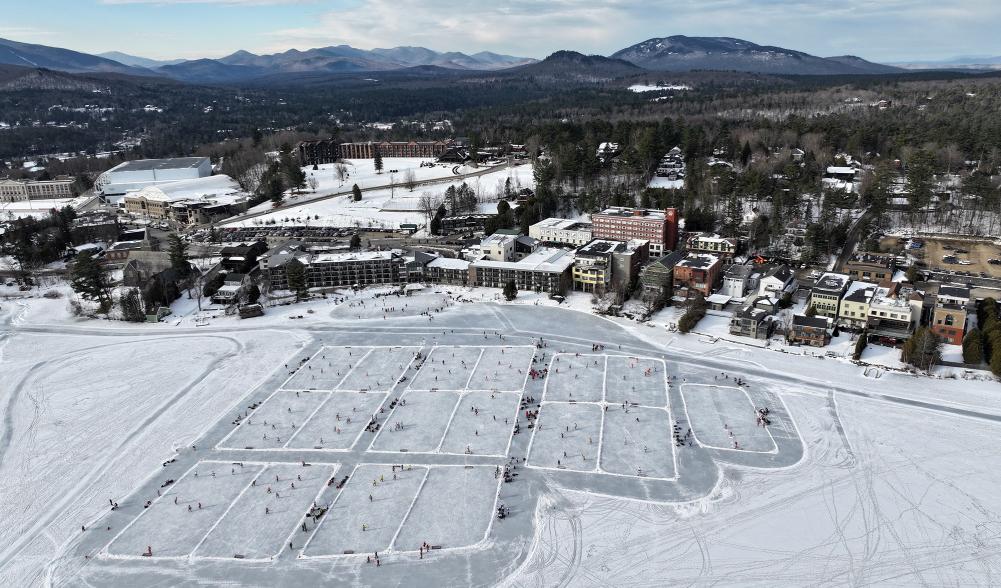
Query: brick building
{"points": [[659, 227]]}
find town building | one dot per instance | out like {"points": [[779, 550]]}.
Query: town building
{"points": [[825, 298], [657, 278], [815, 331], [721, 247], [894, 313], [659, 227], [447, 270], [776, 281], [735, 280], [327, 151], [602, 264], [853, 311], [696, 273], [24, 190], [871, 267], [754, 319], [545, 270], [334, 270], [95, 226], [465, 223], [949, 314], [142, 173], [561, 231], [498, 247], [232, 286], [197, 201]]}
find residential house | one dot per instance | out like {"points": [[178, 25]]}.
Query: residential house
{"points": [[871, 267], [810, 330], [777, 281], [825, 298], [721, 247], [697, 273], [657, 279], [735, 280], [754, 319], [854, 309]]}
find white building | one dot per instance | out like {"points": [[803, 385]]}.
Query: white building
{"points": [[498, 247], [561, 231], [21, 191], [136, 175], [194, 201]]}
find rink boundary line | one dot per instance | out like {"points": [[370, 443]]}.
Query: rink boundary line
{"points": [[345, 556], [352, 369], [309, 418], [219, 444], [475, 366], [410, 509], [228, 508], [316, 529], [775, 446], [295, 372], [335, 468], [358, 435], [108, 555], [597, 469], [460, 394], [601, 425], [550, 371], [427, 361], [382, 427]]}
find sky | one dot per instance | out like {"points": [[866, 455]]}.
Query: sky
{"points": [[879, 30]]}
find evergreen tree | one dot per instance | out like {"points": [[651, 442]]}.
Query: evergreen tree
{"points": [[296, 276], [89, 279], [355, 242], [178, 254], [132, 308], [253, 293], [996, 363], [356, 193], [973, 347], [377, 159], [510, 290]]}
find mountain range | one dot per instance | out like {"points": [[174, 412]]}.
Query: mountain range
{"points": [[681, 53], [672, 54]]}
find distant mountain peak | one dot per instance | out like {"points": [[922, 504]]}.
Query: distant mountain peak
{"points": [[683, 53]]}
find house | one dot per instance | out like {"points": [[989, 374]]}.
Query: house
{"points": [[825, 298], [894, 312], [498, 247], [754, 319], [949, 313], [871, 267], [721, 247], [735, 280], [242, 257], [697, 273], [140, 266], [229, 293], [777, 281], [854, 309], [657, 279], [810, 330]]}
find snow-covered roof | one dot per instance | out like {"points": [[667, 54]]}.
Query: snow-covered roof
{"points": [[450, 263], [544, 259], [220, 187]]}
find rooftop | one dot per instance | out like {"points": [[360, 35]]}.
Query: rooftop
{"points": [[701, 261], [602, 247], [154, 164], [817, 322], [860, 292], [831, 281], [562, 224], [644, 213], [879, 259], [544, 259], [450, 263]]}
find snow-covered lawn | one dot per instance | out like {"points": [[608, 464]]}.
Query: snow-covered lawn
{"points": [[387, 207]]}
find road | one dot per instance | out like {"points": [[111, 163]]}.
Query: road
{"points": [[852, 241], [301, 201]]}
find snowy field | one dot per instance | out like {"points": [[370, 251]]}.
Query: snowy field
{"points": [[390, 202], [857, 481]]}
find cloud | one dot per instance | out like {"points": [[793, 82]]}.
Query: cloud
{"points": [[221, 2], [25, 34], [525, 27]]}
